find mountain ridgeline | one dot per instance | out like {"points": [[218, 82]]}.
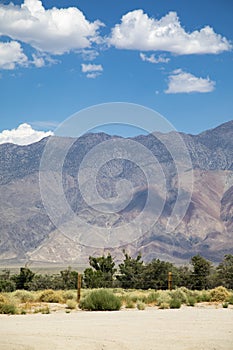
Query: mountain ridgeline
{"points": [[27, 233]]}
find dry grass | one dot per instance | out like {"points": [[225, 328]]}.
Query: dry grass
{"points": [[45, 301]]}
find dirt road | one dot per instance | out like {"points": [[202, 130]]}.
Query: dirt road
{"points": [[183, 329]]}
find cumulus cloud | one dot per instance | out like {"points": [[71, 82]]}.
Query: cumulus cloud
{"points": [[11, 55], [38, 61], [55, 31], [23, 135], [153, 59], [182, 82], [137, 31], [92, 70]]}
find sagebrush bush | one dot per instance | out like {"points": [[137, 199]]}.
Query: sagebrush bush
{"points": [[179, 294], [129, 304], [6, 308], [175, 303], [204, 296], [141, 305], [191, 301], [152, 298], [69, 295], [163, 297], [230, 299], [164, 306], [42, 310], [100, 300], [71, 304], [24, 296], [51, 296], [219, 294], [3, 299]]}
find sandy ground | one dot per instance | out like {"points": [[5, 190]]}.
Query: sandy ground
{"points": [[186, 328]]}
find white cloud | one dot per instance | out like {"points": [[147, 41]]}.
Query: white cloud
{"points": [[38, 61], [137, 31], [93, 75], [182, 82], [92, 70], [23, 135], [89, 55], [11, 55], [153, 59], [55, 31]]}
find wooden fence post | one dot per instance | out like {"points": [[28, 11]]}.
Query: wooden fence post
{"points": [[170, 280], [79, 287]]}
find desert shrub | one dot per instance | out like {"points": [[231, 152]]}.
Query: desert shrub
{"points": [[70, 295], [8, 308], [51, 296], [137, 296], [152, 298], [219, 294], [7, 285], [24, 296], [204, 296], [71, 304], [191, 301], [180, 295], [164, 305], [141, 305], [175, 303], [3, 299], [163, 297], [43, 310], [230, 299], [225, 305], [100, 300], [129, 304]]}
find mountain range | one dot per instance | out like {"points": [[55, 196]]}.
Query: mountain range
{"points": [[28, 233]]}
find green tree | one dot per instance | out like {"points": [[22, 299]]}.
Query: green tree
{"points": [[184, 277], [131, 272], [155, 274], [24, 278], [101, 273], [69, 278], [225, 272], [40, 282], [201, 272]]}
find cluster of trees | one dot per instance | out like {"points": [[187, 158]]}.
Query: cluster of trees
{"points": [[131, 273], [134, 273], [28, 280]]}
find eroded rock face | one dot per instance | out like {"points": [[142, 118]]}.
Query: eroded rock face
{"points": [[207, 228]]}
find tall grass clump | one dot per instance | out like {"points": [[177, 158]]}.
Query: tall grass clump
{"points": [[8, 308], [152, 298], [129, 304], [100, 300]]}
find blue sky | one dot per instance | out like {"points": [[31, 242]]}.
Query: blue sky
{"points": [[174, 56]]}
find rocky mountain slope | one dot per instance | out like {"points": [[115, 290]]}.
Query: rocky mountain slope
{"points": [[27, 233]]}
